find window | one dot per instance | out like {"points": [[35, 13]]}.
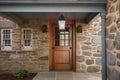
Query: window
{"points": [[27, 39], [6, 39]]}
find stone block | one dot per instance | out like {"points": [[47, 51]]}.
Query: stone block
{"points": [[93, 68], [113, 29], [85, 48], [111, 59], [98, 61], [87, 53], [109, 20], [83, 66], [111, 36], [96, 40], [118, 56], [97, 55], [115, 73], [89, 62], [110, 44], [117, 41], [113, 0], [81, 38], [43, 58], [44, 41], [112, 9], [14, 56], [109, 72], [118, 63], [87, 43], [80, 58], [7, 24]]}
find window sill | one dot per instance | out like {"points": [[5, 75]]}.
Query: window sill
{"points": [[10, 51], [26, 51], [17, 51]]}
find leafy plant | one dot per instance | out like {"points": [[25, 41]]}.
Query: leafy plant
{"points": [[21, 74]]}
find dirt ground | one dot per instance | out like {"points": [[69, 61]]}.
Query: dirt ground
{"points": [[11, 77]]}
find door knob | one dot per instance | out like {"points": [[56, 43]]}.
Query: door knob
{"points": [[70, 48], [52, 47]]}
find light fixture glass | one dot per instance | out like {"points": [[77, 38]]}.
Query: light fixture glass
{"points": [[61, 22]]}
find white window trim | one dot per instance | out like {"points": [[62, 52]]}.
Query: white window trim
{"points": [[27, 48], [3, 47]]}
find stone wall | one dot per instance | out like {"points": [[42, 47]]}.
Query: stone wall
{"points": [[88, 47], [34, 61], [113, 39]]}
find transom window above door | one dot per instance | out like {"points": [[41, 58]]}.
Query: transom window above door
{"points": [[62, 37]]}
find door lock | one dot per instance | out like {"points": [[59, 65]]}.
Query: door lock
{"points": [[70, 48]]}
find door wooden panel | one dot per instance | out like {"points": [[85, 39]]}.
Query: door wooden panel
{"points": [[62, 57]]}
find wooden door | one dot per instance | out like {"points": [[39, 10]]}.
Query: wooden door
{"points": [[62, 49], [62, 53]]}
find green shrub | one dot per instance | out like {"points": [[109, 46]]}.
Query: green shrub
{"points": [[21, 74]]}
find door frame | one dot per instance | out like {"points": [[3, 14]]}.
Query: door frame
{"points": [[51, 44]]}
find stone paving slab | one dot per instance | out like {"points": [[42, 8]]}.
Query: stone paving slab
{"points": [[67, 76]]}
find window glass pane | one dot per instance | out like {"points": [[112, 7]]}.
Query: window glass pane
{"points": [[66, 42], [66, 36], [61, 36], [57, 43], [29, 41], [27, 34], [61, 42], [56, 36], [27, 37], [6, 37]]}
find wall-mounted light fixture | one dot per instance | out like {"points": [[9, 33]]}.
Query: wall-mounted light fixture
{"points": [[79, 29], [44, 28], [61, 22]]}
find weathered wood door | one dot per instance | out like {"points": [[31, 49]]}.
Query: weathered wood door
{"points": [[62, 48]]}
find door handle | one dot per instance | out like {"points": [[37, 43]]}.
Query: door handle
{"points": [[52, 47], [70, 48]]}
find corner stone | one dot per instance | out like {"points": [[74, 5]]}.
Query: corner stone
{"points": [[111, 59], [117, 41], [110, 44], [115, 74]]}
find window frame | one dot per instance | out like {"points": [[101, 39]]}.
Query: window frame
{"points": [[3, 47], [27, 48]]}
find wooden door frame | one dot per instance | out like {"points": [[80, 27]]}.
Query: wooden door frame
{"points": [[51, 44]]}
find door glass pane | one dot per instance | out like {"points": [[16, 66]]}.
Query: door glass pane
{"points": [[61, 42], [61, 36], [66, 42], [66, 36]]}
